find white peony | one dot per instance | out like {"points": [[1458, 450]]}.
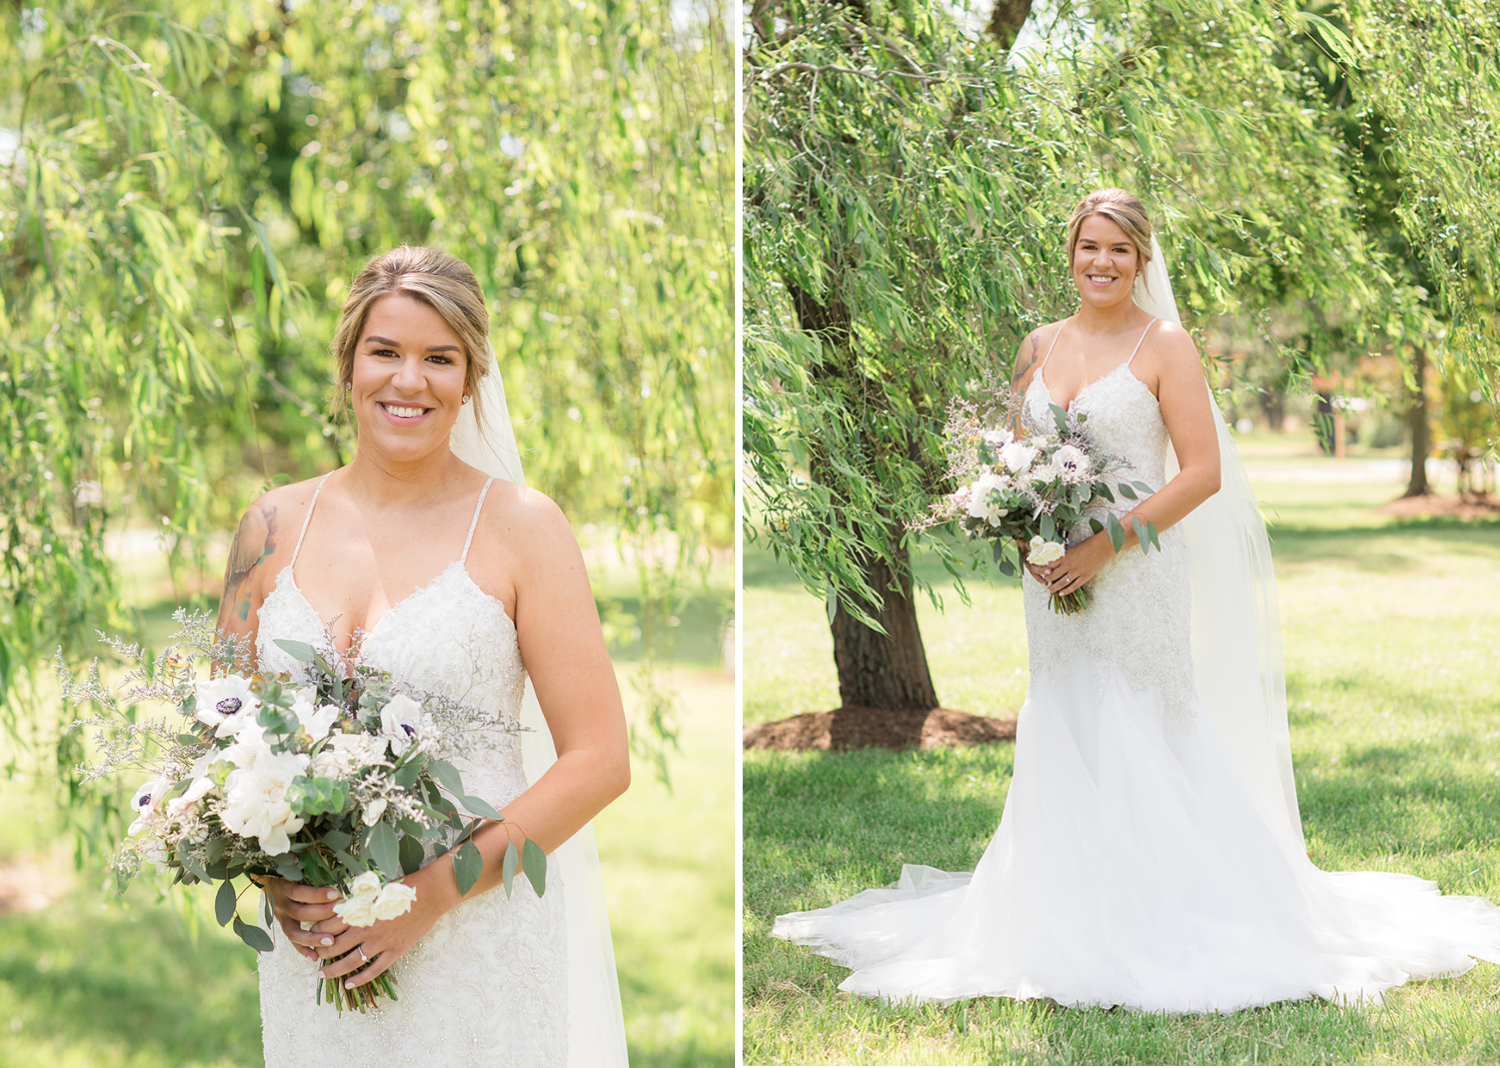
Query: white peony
{"points": [[255, 804], [1017, 456], [226, 704], [1073, 462], [401, 720], [1044, 552], [249, 746]]}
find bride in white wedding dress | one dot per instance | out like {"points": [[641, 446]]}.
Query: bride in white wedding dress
{"points": [[1150, 853], [427, 556]]}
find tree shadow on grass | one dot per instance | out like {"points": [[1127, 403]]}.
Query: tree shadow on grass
{"points": [[133, 979], [1350, 545]]}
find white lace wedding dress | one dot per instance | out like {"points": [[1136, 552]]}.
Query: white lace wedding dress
{"points": [[1129, 868], [488, 985]]}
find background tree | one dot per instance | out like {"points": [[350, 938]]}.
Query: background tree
{"points": [[187, 190], [906, 185]]}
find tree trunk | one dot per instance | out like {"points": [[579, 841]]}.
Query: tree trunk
{"points": [[1006, 19], [886, 671], [1416, 421]]}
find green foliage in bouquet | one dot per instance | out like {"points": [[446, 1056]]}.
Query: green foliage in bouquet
{"points": [[331, 782], [1044, 490]]}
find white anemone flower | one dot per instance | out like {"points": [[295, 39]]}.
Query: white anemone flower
{"points": [[1073, 462], [225, 704], [189, 798], [401, 720]]}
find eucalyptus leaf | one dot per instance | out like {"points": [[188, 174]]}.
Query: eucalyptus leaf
{"points": [[410, 850], [1116, 532], [384, 851], [534, 864], [509, 867], [297, 650], [480, 807], [224, 903], [253, 937], [448, 775], [468, 864]]}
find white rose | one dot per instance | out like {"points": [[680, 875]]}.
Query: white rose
{"points": [[357, 912], [255, 804], [394, 900], [1017, 457], [1048, 472], [225, 703], [1044, 552]]}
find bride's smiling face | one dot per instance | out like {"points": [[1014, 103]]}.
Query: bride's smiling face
{"points": [[1105, 262], [407, 385]]}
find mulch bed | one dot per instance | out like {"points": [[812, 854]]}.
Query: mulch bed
{"points": [[1477, 506], [856, 727]]}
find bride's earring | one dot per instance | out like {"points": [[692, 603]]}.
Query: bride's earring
{"points": [[465, 400]]}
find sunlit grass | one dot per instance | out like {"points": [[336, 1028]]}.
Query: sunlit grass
{"points": [[1389, 631]]}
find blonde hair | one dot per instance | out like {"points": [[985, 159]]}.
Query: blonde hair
{"points": [[1123, 209], [443, 282]]}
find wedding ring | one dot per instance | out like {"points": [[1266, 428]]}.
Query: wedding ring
{"points": [[362, 954]]}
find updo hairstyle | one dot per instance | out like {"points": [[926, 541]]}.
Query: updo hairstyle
{"points": [[1123, 209], [444, 283]]}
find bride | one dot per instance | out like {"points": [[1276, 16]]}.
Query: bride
{"points": [[1150, 853], [427, 556]]}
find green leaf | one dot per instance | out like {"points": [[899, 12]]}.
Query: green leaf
{"points": [[291, 871], [336, 839], [508, 869], [1096, 526], [253, 937], [410, 853], [480, 807], [384, 851], [1140, 533], [224, 902], [122, 879], [1049, 527], [189, 739], [467, 866], [448, 775], [1116, 532], [266, 910], [1103, 490], [534, 863], [190, 863], [407, 774], [297, 650], [831, 604], [1126, 491], [1007, 568]]}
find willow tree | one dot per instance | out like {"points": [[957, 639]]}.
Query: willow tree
{"points": [[906, 185], [188, 187]]}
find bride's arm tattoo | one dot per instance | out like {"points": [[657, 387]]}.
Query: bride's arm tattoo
{"points": [[254, 541]]}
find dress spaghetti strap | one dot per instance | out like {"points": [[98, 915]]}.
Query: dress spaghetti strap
{"points": [[308, 519], [1137, 348], [475, 521], [1053, 345]]}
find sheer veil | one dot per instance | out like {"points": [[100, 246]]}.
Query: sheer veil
{"points": [[1236, 624], [596, 1027]]}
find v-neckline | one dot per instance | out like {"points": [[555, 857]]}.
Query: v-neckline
{"points": [[1107, 374], [366, 632]]}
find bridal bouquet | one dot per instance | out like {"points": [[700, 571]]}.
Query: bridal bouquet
{"points": [[1035, 490], [334, 782]]}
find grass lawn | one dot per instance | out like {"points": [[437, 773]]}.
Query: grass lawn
{"points": [[95, 981], [1389, 630]]}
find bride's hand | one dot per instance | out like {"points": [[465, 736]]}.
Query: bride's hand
{"points": [[296, 903], [373, 949], [1079, 564]]}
